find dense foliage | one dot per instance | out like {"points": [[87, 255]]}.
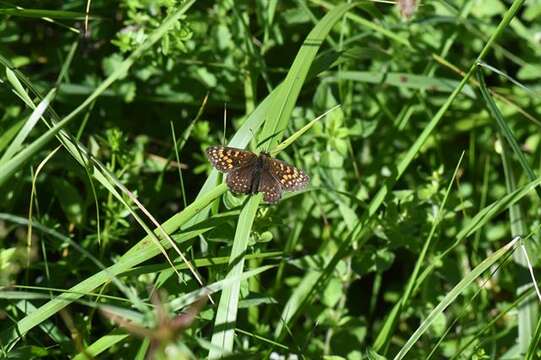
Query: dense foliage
{"points": [[418, 234]]}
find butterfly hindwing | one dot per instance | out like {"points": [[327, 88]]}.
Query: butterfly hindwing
{"points": [[227, 159], [289, 177], [270, 187]]}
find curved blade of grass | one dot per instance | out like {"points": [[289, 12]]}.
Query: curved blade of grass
{"points": [[452, 295], [482, 218], [489, 212], [296, 300], [505, 129], [290, 140], [11, 166], [410, 81], [102, 344], [286, 96], [502, 97], [368, 24], [28, 126], [18, 88], [508, 77]]}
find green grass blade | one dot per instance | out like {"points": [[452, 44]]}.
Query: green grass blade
{"points": [[102, 344], [406, 80], [296, 300], [290, 140], [28, 126], [368, 24], [505, 128], [18, 88], [226, 314], [527, 311], [286, 96], [43, 13], [452, 295]]}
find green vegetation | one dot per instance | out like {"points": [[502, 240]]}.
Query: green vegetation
{"points": [[418, 236]]}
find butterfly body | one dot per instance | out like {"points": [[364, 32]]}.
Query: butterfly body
{"points": [[248, 173]]}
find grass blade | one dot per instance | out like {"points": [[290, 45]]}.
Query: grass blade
{"points": [[28, 126], [527, 310], [452, 295], [226, 314], [505, 129], [286, 96]]}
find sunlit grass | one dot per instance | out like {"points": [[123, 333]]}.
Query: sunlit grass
{"points": [[424, 181]]}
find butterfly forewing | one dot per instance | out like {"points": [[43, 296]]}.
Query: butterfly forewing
{"points": [[289, 177], [228, 159], [240, 180], [270, 187]]}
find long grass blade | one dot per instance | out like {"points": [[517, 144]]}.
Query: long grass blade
{"points": [[505, 128], [28, 126], [527, 311], [452, 295]]}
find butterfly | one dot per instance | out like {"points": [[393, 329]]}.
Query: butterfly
{"points": [[248, 173]]}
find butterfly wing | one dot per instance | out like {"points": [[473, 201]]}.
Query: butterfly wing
{"points": [[240, 180], [270, 187], [228, 159], [289, 177]]}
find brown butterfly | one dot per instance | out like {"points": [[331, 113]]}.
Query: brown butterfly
{"points": [[248, 173]]}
